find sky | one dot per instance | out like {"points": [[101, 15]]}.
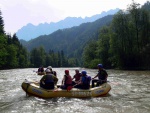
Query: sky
{"points": [[18, 13]]}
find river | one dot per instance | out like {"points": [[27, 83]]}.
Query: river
{"points": [[130, 93]]}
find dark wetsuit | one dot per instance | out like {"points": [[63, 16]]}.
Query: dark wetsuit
{"points": [[102, 78], [49, 81]]}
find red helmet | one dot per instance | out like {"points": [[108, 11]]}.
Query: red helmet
{"points": [[67, 71]]}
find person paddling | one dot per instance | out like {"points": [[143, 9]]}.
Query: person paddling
{"points": [[102, 76], [41, 69], [77, 77], [84, 82]]}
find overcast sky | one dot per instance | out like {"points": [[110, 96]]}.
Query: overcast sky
{"points": [[18, 13]]}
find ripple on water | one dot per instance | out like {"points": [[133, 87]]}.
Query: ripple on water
{"points": [[130, 93]]}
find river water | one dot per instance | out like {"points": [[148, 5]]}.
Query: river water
{"points": [[130, 93]]}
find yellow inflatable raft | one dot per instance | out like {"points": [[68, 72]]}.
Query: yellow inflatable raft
{"points": [[34, 89]]}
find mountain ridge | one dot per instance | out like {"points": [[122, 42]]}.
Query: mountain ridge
{"points": [[31, 31], [71, 40]]}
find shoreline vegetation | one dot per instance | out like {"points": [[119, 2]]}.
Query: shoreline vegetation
{"points": [[122, 44]]}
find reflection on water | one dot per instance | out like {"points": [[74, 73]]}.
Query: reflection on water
{"points": [[130, 93]]}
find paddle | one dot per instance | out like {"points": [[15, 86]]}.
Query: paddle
{"points": [[56, 88], [70, 87]]}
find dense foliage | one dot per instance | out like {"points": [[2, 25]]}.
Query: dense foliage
{"points": [[39, 57], [119, 41], [124, 44], [12, 53], [71, 41]]}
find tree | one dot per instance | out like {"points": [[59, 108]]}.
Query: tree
{"points": [[12, 61], [134, 10], [23, 58], [102, 51], [89, 55], [3, 44], [38, 56], [146, 6], [63, 59], [121, 43], [3, 51], [1, 24], [59, 59], [72, 62]]}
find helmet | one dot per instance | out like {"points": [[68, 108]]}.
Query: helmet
{"points": [[47, 71], [49, 67], [67, 71], [83, 72], [100, 65]]}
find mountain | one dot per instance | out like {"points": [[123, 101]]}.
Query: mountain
{"points": [[31, 31], [71, 40]]}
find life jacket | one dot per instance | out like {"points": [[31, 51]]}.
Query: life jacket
{"points": [[68, 79], [86, 80], [49, 79], [102, 74]]}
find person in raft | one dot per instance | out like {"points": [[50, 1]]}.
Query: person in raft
{"points": [[102, 76], [67, 80], [77, 77], [41, 69], [48, 81], [52, 72], [84, 82]]}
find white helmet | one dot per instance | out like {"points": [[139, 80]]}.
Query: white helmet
{"points": [[47, 71], [49, 67]]}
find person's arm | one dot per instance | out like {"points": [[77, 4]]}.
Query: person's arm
{"points": [[42, 79], [95, 76], [80, 81], [63, 80], [106, 76], [73, 77], [55, 73], [55, 79]]}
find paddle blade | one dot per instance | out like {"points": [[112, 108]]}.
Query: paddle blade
{"points": [[69, 88], [55, 90]]}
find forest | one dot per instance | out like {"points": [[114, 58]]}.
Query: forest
{"points": [[14, 55], [123, 43], [70, 40]]}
